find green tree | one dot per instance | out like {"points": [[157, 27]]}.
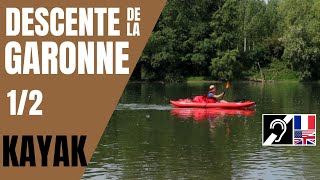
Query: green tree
{"points": [[179, 44], [196, 38], [301, 36], [226, 66]]}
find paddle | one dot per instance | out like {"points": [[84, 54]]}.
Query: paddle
{"points": [[227, 87]]}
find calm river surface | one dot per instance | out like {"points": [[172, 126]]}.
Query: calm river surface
{"points": [[149, 139]]}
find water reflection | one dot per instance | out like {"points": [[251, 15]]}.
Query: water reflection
{"points": [[199, 114]]}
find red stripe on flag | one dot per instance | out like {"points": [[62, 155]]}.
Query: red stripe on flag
{"points": [[311, 122]]}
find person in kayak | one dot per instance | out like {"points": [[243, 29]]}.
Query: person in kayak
{"points": [[212, 97]]}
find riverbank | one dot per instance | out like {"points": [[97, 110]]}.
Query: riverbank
{"points": [[275, 71], [215, 81]]}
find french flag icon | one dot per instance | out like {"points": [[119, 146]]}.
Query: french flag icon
{"points": [[304, 122]]}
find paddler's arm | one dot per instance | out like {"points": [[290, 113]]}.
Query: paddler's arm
{"points": [[218, 96]]}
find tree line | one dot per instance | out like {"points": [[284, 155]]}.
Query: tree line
{"points": [[228, 39]]}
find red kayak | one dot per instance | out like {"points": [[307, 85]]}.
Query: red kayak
{"points": [[189, 103], [200, 113]]}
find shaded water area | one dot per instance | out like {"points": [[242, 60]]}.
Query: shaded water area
{"points": [[147, 138]]}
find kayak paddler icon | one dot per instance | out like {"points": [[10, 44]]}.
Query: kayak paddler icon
{"points": [[277, 130]]}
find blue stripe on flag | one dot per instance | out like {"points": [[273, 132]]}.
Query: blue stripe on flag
{"points": [[297, 122]]}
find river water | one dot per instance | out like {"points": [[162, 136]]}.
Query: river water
{"points": [[149, 139]]}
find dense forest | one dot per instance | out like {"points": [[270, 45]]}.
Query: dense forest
{"points": [[231, 39]]}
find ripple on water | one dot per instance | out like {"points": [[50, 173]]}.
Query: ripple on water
{"points": [[135, 106], [273, 163]]}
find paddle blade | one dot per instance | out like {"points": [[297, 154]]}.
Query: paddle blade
{"points": [[227, 85]]}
